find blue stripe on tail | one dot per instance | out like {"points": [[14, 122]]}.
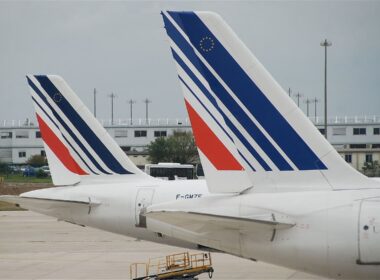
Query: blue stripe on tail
{"points": [[91, 138], [61, 122], [227, 100], [38, 104], [247, 91], [229, 124]]}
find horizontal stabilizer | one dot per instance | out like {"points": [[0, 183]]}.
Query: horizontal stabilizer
{"points": [[22, 200], [211, 220], [202, 222], [55, 207]]}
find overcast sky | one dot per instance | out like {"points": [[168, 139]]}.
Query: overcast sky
{"points": [[121, 47]]}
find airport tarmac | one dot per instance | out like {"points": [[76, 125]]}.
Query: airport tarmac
{"points": [[34, 246]]}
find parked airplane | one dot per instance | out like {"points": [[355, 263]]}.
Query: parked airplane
{"points": [[276, 190]]}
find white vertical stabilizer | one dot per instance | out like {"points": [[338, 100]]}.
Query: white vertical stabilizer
{"points": [[228, 92], [77, 145]]}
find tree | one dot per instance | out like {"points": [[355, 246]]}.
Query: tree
{"points": [[159, 150], [41, 174], [179, 147], [183, 148], [4, 168], [371, 169], [37, 161]]}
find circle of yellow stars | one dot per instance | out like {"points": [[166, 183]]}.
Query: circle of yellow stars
{"points": [[206, 41], [57, 97]]}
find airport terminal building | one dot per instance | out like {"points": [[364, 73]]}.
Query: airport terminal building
{"points": [[357, 139]]}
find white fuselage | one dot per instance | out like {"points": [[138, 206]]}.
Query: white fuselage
{"points": [[336, 233]]}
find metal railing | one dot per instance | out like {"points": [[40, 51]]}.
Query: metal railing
{"points": [[346, 120], [107, 122], [171, 265], [185, 121], [145, 122]]}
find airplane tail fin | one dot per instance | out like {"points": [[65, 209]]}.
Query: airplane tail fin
{"points": [[257, 131], [76, 144]]}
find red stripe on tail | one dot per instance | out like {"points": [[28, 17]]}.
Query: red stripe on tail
{"points": [[210, 144], [58, 148]]}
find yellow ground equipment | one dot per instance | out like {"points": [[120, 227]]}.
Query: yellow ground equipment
{"points": [[176, 266]]}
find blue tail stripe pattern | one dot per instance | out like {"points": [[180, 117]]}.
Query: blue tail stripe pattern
{"points": [[244, 141], [53, 122], [204, 107], [43, 110], [227, 100], [221, 127], [72, 135], [246, 161], [246, 90], [109, 160], [229, 124]]}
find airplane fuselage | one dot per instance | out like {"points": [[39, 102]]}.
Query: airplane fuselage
{"points": [[335, 234]]}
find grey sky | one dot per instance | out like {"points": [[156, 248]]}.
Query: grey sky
{"points": [[121, 47]]}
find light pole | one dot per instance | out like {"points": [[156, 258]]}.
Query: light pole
{"points": [[147, 101], [131, 102], [326, 44], [315, 101], [95, 102], [307, 101], [289, 91], [298, 96], [112, 96]]}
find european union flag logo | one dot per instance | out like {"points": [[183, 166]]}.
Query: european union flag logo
{"points": [[57, 97], [206, 44]]}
